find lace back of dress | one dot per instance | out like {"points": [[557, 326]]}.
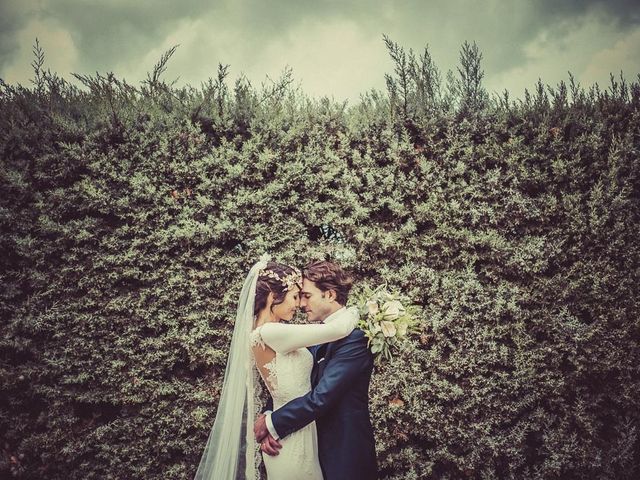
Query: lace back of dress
{"points": [[266, 370]]}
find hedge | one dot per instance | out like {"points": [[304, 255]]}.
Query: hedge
{"points": [[130, 215]]}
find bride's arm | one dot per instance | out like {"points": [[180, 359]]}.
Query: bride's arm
{"points": [[284, 338]]}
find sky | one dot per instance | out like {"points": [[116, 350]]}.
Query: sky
{"points": [[334, 48]]}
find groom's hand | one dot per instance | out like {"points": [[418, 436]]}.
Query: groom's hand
{"points": [[270, 445], [260, 429]]}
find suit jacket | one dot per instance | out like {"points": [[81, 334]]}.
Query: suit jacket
{"points": [[339, 403]]}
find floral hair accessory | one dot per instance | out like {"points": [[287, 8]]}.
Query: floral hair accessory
{"points": [[288, 281]]}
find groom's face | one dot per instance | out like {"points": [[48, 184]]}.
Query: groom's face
{"points": [[314, 302]]}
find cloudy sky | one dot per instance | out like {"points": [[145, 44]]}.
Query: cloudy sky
{"points": [[334, 47]]}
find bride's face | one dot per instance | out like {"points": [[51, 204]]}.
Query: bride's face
{"points": [[287, 309]]}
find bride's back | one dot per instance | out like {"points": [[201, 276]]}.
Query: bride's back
{"points": [[286, 375]]}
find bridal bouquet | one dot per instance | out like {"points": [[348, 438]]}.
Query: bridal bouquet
{"points": [[386, 318]]}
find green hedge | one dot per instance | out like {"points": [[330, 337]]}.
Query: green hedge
{"points": [[130, 216]]}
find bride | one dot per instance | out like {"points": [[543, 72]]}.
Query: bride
{"points": [[275, 351]]}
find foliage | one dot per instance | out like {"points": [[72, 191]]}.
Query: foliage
{"points": [[130, 214]]}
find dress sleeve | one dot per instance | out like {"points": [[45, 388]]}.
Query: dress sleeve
{"points": [[284, 338]]}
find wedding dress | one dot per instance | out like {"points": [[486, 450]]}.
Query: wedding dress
{"points": [[289, 377]]}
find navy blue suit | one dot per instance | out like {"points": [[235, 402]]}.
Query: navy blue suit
{"points": [[339, 403]]}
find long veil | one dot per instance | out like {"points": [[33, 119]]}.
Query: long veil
{"points": [[231, 451]]}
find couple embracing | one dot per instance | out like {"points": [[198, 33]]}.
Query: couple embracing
{"points": [[316, 425]]}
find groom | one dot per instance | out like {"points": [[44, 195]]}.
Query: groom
{"points": [[339, 400]]}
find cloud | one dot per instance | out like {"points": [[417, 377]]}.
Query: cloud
{"points": [[503, 30], [330, 59], [625, 13], [114, 32], [625, 52], [569, 47], [56, 39], [14, 15], [334, 47]]}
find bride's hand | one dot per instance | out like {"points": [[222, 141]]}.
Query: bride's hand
{"points": [[348, 320], [260, 429], [355, 315], [270, 446]]}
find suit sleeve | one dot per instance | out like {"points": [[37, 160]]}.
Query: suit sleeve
{"points": [[350, 359]]}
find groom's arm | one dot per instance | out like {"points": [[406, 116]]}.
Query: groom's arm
{"points": [[351, 358]]}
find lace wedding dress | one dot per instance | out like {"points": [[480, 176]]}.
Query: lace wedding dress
{"points": [[288, 376]]}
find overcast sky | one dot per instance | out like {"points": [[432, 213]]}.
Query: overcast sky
{"points": [[334, 47]]}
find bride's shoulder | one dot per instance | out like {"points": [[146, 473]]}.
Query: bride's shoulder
{"points": [[267, 332], [256, 337]]}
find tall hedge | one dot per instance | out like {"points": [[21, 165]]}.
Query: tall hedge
{"points": [[130, 215]]}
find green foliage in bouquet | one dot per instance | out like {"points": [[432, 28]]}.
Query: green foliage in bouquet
{"points": [[387, 319]]}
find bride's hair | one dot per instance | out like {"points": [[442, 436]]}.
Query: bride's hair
{"points": [[274, 279]]}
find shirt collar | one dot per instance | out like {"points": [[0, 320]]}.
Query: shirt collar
{"points": [[334, 315]]}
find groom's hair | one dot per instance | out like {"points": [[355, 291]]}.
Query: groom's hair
{"points": [[329, 276]]}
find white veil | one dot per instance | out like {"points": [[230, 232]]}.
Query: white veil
{"points": [[231, 451]]}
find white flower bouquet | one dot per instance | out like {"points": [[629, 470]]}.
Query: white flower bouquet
{"points": [[387, 319]]}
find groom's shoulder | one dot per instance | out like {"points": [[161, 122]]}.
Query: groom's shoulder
{"points": [[355, 336], [355, 344]]}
